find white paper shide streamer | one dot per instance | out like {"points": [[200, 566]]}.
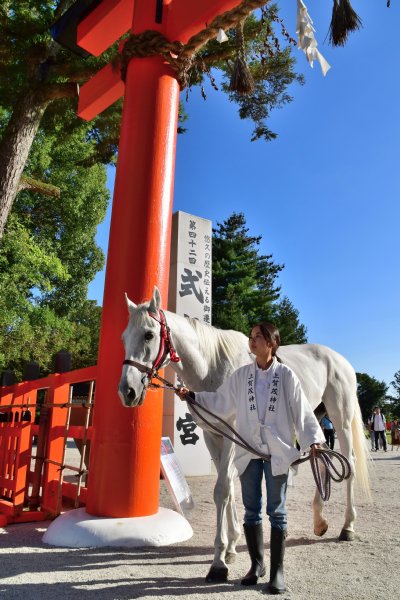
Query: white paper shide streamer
{"points": [[306, 38], [221, 36]]}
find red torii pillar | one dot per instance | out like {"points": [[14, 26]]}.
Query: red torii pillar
{"points": [[125, 451]]}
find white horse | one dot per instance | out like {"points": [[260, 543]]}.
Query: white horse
{"points": [[208, 355]]}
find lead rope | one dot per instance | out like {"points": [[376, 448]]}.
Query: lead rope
{"points": [[323, 457]]}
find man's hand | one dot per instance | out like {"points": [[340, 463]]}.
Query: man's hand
{"points": [[182, 392], [314, 448]]}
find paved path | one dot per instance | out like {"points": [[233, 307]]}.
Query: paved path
{"points": [[366, 569]]}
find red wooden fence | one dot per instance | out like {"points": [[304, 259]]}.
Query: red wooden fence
{"points": [[37, 419]]}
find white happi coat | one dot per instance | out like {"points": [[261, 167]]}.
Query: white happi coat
{"points": [[287, 412]]}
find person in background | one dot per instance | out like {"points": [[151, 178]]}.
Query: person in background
{"points": [[378, 426], [329, 431], [371, 431], [265, 401], [395, 431]]}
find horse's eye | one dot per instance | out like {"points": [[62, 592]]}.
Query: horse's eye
{"points": [[148, 336]]}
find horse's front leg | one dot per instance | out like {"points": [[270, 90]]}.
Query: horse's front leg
{"points": [[220, 454], [219, 569], [232, 520], [234, 530]]}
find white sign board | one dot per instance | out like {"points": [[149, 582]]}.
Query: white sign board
{"points": [[190, 295], [193, 266], [175, 479]]}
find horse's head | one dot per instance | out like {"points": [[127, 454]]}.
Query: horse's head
{"points": [[141, 340]]}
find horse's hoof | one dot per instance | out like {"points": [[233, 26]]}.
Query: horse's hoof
{"points": [[217, 575], [270, 589], [230, 557], [322, 531], [346, 535]]}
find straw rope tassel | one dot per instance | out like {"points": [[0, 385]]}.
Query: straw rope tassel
{"points": [[344, 20], [241, 79]]}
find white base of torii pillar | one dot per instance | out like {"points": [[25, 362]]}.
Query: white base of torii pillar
{"points": [[77, 529]]}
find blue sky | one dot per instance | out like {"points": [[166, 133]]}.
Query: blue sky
{"points": [[325, 195]]}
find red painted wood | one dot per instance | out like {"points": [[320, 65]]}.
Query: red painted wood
{"points": [[105, 25], [59, 395], [102, 90], [184, 19], [144, 17], [125, 449]]}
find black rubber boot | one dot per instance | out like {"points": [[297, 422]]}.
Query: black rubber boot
{"points": [[276, 583], [255, 545]]}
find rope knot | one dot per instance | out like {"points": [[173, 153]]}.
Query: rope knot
{"points": [[184, 58], [154, 43]]}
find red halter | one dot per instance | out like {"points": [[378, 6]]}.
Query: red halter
{"points": [[166, 345]]}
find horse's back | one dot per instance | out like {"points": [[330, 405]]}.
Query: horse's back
{"points": [[322, 372]]}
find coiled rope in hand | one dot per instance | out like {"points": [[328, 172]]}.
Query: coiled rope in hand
{"points": [[325, 457]]}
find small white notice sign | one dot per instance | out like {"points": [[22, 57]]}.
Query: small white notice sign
{"points": [[175, 479]]}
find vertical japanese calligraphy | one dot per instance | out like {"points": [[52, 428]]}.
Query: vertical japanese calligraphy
{"points": [[190, 295], [274, 395], [194, 264]]}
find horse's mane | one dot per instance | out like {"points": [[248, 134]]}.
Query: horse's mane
{"points": [[216, 344]]}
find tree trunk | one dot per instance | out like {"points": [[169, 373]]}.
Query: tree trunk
{"points": [[15, 146]]}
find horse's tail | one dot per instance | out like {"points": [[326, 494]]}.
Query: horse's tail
{"points": [[363, 462]]}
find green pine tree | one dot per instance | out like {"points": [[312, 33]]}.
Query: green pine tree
{"points": [[286, 318], [395, 401], [371, 393], [245, 289]]}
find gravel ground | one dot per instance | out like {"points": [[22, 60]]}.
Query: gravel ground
{"points": [[365, 569]]}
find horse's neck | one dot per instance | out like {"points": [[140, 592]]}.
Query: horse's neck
{"points": [[197, 373], [192, 367]]}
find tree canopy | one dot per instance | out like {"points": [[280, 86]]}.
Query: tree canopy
{"points": [[270, 64], [396, 383], [38, 95], [371, 393], [395, 400], [48, 254], [245, 289], [39, 83]]}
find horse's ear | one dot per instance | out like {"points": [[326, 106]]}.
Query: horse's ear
{"points": [[155, 302], [131, 305]]}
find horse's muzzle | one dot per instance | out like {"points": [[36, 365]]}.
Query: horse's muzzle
{"points": [[129, 398]]}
